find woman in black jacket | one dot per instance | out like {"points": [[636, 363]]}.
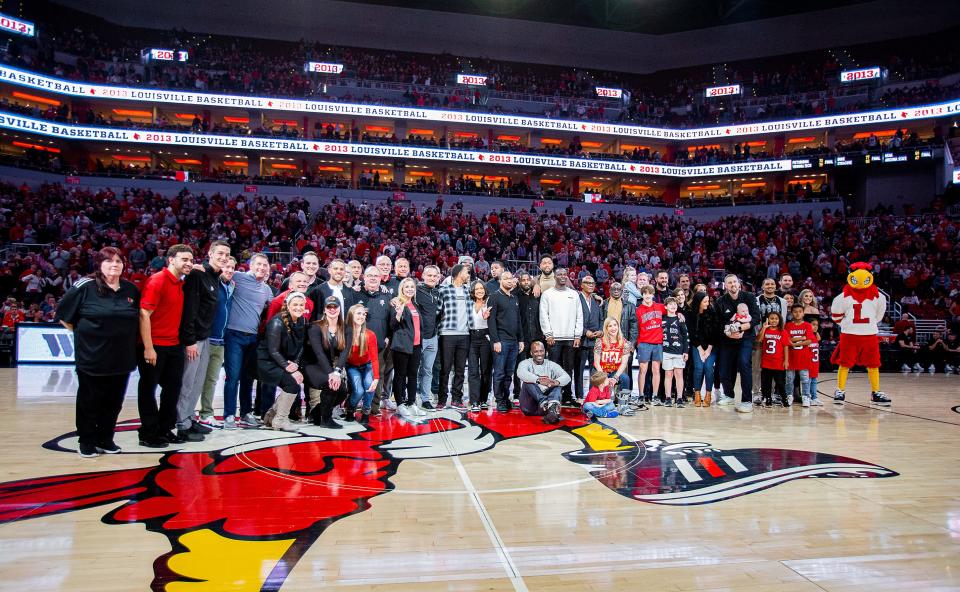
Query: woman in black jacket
{"points": [[326, 370], [406, 347], [704, 333], [278, 359]]}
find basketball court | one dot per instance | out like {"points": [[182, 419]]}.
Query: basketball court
{"points": [[849, 498]]}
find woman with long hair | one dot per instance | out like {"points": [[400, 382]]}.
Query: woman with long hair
{"points": [[611, 354], [406, 347], [480, 356], [811, 308], [327, 365], [103, 311], [279, 357], [363, 368], [704, 330]]}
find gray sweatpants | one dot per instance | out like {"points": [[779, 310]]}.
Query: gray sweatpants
{"points": [[194, 373]]}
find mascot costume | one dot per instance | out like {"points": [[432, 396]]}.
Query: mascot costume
{"points": [[858, 310]]}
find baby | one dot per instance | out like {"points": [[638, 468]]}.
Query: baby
{"points": [[742, 316]]}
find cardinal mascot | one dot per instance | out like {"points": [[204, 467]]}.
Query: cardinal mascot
{"points": [[858, 310]]}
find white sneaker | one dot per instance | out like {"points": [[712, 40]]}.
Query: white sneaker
{"points": [[917, 368], [405, 411], [932, 369], [210, 421], [948, 369], [805, 402], [230, 423], [905, 369], [389, 404], [816, 402], [744, 407], [419, 411], [725, 401]]}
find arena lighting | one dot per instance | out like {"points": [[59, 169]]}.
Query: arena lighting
{"points": [[550, 181], [638, 187], [860, 75], [551, 141], [237, 163], [801, 140], [35, 98], [633, 147], [377, 128], [506, 138], [753, 185], [285, 122], [16, 25], [702, 187], [472, 79], [592, 144], [330, 168], [230, 119], [187, 161], [722, 91], [133, 112], [189, 116], [283, 165], [609, 93], [420, 132], [61, 86], [756, 144], [878, 133], [420, 174], [36, 147], [124, 158]]}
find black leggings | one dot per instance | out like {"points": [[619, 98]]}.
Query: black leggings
{"points": [[777, 378], [405, 369]]}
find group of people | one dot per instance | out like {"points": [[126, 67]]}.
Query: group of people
{"points": [[360, 339]]}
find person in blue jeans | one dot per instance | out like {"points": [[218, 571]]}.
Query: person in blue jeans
{"points": [[363, 368], [250, 297], [704, 333]]}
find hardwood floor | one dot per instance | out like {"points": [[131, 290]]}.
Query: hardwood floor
{"points": [[832, 498]]}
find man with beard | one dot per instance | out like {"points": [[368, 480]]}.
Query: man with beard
{"points": [[561, 319], [530, 317], [455, 325], [506, 334], [735, 348], [547, 279], [786, 285], [337, 271], [662, 287], [493, 284], [767, 302]]}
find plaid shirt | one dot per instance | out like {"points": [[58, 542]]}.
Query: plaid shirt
{"points": [[448, 309]]}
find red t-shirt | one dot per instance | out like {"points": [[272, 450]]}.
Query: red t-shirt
{"points": [[372, 355], [650, 319], [611, 356], [773, 349], [416, 323], [799, 356], [814, 348], [595, 394], [163, 294]]}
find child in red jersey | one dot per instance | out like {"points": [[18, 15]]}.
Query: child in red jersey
{"points": [[649, 340], [773, 357], [799, 334], [815, 362]]}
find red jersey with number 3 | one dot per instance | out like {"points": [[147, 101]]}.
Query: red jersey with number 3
{"points": [[814, 348], [773, 349], [799, 355]]}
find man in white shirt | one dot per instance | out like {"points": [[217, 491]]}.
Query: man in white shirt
{"points": [[561, 320]]}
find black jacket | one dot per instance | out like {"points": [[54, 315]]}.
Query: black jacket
{"points": [[592, 319], [725, 308], [675, 337], [323, 358], [319, 293], [629, 326], [279, 346], [428, 302], [704, 329], [506, 321], [201, 289], [402, 337], [530, 315], [378, 315]]}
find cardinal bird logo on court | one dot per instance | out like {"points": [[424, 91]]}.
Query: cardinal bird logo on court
{"points": [[262, 498]]}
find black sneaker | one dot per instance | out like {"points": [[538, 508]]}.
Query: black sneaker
{"points": [[441, 406], [839, 397], [329, 424], [459, 405], [503, 408], [108, 448], [552, 415], [878, 398], [680, 404], [484, 405], [88, 451], [199, 428], [657, 403], [427, 406], [172, 438], [190, 435], [154, 443], [767, 403], [365, 418], [786, 402], [668, 402]]}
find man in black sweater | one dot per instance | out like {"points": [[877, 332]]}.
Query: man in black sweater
{"points": [[201, 293], [428, 301], [505, 326], [379, 311], [592, 325], [530, 317], [736, 346]]}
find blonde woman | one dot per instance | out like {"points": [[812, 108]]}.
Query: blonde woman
{"points": [[406, 345], [278, 358], [811, 309], [611, 354]]}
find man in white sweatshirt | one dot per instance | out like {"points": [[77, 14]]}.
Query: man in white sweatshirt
{"points": [[561, 319], [542, 381]]}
